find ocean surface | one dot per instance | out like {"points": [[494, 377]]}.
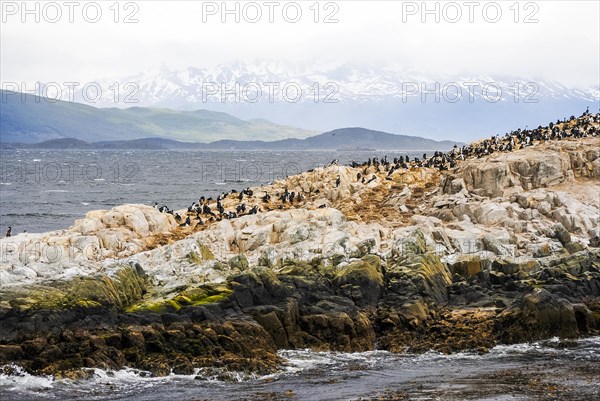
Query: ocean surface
{"points": [[44, 190], [548, 370]]}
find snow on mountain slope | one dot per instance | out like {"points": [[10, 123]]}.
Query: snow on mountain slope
{"points": [[267, 82]]}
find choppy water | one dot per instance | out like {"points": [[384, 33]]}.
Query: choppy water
{"points": [[549, 370], [43, 190]]}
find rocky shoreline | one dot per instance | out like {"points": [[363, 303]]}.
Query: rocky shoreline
{"points": [[498, 250]]}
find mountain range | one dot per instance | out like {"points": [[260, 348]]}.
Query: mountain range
{"points": [[198, 104], [352, 83], [344, 139], [332, 95], [27, 118], [42, 123]]}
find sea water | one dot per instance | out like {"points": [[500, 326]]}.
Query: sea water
{"points": [[44, 190], [546, 370]]}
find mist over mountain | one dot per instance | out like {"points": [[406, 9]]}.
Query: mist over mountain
{"points": [[324, 97]]}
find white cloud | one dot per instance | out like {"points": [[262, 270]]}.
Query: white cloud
{"points": [[563, 46]]}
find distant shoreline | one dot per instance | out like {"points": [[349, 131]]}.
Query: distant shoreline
{"points": [[228, 150]]}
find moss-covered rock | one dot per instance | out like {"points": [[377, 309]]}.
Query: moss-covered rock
{"points": [[161, 306], [467, 266], [516, 266], [362, 281], [535, 316], [194, 296], [299, 268], [122, 289], [239, 262], [413, 270], [205, 252], [194, 258]]}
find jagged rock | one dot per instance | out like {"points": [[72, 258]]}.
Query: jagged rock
{"points": [[361, 281], [468, 266], [80, 250], [529, 170], [10, 353], [271, 323], [412, 257], [536, 316], [511, 266], [415, 312], [239, 262], [490, 214], [562, 234]]}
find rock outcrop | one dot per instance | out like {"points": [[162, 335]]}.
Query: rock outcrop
{"points": [[103, 235], [500, 249]]}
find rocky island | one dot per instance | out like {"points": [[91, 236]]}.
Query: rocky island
{"points": [[496, 244]]}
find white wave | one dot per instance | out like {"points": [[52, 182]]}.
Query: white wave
{"points": [[503, 350], [122, 380], [549, 346], [5, 183], [240, 180], [85, 203], [21, 380], [56, 190], [126, 375], [300, 360], [593, 341], [131, 380]]}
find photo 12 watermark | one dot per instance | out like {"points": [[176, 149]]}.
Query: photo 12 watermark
{"points": [[83, 249], [238, 172], [452, 12], [69, 172], [262, 172], [81, 92], [269, 92], [53, 12], [252, 12], [470, 91]]}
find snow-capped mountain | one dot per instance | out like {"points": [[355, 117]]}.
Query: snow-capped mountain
{"points": [[268, 81], [324, 96]]}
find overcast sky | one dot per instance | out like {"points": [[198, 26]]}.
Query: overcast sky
{"points": [[563, 45]]}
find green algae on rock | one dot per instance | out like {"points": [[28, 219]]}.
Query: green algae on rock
{"points": [[122, 289]]}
